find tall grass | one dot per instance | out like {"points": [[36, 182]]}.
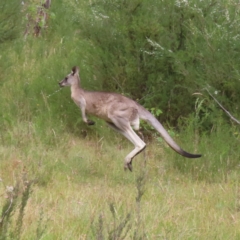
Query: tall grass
{"points": [[219, 147], [82, 191]]}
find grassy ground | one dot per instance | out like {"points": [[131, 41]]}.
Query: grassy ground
{"points": [[82, 192]]}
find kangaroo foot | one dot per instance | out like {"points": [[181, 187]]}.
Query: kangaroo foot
{"points": [[128, 166]]}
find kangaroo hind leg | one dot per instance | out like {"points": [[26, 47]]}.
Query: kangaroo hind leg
{"points": [[122, 126]]}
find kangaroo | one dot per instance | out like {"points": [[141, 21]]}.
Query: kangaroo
{"points": [[120, 113]]}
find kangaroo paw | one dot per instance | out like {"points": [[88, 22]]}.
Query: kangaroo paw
{"points": [[90, 122]]}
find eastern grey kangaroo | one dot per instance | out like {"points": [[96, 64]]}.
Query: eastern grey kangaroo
{"points": [[120, 113]]}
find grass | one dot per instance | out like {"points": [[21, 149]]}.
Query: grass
{"points": [[82, 191]]}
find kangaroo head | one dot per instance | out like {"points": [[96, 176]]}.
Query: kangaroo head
{"points": [[71, 79]]}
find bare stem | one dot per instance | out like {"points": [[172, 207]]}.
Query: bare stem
{"points": [[225, 110]]}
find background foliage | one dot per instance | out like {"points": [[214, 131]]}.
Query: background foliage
{"points": [[10, 26], [158, 52], [161, 52]]}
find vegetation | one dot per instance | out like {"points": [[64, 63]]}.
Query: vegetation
{"points": [[61, 179]]}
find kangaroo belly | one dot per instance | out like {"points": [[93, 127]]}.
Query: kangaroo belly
{"points": [[98, 110]]}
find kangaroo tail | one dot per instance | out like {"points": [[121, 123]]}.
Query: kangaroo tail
{"points": [[148, 117]]}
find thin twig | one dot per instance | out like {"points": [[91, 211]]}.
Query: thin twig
{"points": [[225, 110], [6, 212]]}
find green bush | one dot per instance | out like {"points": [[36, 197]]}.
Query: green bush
{"points": [[161, 52]]}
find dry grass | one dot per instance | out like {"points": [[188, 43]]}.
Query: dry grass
{"points": [[79, 179]]}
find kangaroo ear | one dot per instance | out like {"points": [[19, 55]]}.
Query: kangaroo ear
{"points": [[75, 70]]}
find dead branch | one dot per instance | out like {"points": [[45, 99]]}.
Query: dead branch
{"points": [[221, 106], [47, 4], [36, 23]]}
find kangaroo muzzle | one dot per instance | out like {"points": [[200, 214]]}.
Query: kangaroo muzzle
{"points": [[62, 83]]}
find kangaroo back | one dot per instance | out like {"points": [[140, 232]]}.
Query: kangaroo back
{"points": [[145, 115]]}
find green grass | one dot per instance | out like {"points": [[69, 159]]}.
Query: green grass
{"points": [[79, 179]]}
